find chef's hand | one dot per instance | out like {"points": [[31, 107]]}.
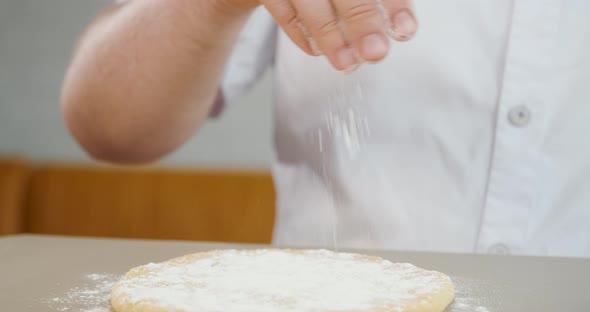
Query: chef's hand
{"points": [[347, 32]]}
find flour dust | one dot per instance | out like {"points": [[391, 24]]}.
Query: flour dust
{"points": [[468, 295], [92, 296], [342, 137]]}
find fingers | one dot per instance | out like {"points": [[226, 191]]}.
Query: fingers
{"points": [[286, 16], [402, 18], [324, 25], [365, 27], [347, 32]]}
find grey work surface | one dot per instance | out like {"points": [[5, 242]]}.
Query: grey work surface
{"points": [[35, 269]]}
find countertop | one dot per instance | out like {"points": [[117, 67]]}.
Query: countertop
{"points": [[49, 273]]}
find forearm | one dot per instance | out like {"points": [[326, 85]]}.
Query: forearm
{"points": [[145, 75]]}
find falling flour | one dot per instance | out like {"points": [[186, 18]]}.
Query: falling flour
{"points": [[342, 135]]}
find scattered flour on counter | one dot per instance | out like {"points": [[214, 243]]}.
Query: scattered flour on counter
{"points": [[93, 296], [468, 295]]}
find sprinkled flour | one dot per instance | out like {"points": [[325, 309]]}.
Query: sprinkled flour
{"points": [[466, 299], [272, 280], [94, 296]]}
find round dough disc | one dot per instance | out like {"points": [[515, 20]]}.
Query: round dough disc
{"points": [[280, 280]]}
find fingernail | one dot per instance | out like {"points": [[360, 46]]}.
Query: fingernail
{"points": [[315, 48], [346, 59], [374, 47], [404, 26]]}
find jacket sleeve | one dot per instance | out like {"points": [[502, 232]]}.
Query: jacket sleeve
{"points": [[253, 54]]}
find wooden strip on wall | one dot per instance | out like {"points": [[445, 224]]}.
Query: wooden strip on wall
{"points": [[157, 204], [13, 181]]}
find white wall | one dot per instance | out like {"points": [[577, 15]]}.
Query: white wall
{"points": [[36, 38]]}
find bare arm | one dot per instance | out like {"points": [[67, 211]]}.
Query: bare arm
{"points": [[146, 74]]}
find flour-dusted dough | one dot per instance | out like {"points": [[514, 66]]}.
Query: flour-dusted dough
{"points": [[281, 280]]}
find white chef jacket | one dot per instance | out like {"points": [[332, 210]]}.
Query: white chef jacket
{"points": [[472, 137]]}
